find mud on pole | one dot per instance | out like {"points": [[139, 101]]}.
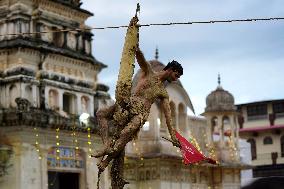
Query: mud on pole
{"points": [[126, 71]]}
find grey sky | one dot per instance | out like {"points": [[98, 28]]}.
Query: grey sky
{"points": [[249, 56]]}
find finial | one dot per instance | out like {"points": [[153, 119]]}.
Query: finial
{"points": [[219, 79], [137, 9], [157, 54]]}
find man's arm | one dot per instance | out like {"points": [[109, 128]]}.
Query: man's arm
{"points": [[169, 121], [144, 65]]}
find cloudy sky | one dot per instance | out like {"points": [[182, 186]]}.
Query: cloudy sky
{"points": [[249, 56]]}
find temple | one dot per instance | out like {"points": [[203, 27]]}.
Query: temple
{"points": [[49, 80]]}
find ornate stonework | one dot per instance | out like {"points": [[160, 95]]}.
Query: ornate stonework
{"points": [[46, 81]]}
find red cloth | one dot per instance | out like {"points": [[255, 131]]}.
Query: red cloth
{"points": [[190, 154]]}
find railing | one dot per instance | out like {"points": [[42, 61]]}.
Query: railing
{"points": [[279, 115], [257, 117], [268, 158]]}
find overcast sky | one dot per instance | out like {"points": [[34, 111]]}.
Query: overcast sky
{"points": [[248, 56]]}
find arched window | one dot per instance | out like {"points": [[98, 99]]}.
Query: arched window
{"points": [[181, 116], [69, 103], [267, 140], [13, 94], [58, 38], [29, 93], [226, 126], [214, 125], [53, 99], [173, 112], [161, 116], [85, 104], [282, 146], [253, 148]]}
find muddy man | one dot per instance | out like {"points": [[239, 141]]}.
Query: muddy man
{"points": [[134, 102]]}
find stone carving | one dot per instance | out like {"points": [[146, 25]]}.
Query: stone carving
{"points": [[23, 104], [52, 99], [84, 101]]}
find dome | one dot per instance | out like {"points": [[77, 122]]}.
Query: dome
{"points": [[220, 100]]}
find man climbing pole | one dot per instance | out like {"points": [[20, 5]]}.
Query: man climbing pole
{"points": [[131, 109]]}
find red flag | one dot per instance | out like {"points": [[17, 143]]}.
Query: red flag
{"points": [[190, 154]]}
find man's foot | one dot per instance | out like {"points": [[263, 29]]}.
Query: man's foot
{"points": [[102, 165]]}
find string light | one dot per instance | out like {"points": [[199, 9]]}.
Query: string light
{"points": [[37, 146], [89, 142], [233, 149], [195, 143], [74, 139], [57, 144], [210, 148], [147, 25], [139, 154]]}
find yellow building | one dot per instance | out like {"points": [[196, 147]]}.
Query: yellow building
{"points": [[262, 125]]}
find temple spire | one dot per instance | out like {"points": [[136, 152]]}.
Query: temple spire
{"points": [[219, 82], [157, 54]]}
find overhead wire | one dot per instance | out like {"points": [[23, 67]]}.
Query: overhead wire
{"points": [[147, 25]]}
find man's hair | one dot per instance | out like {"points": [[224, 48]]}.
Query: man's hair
{"points": [[175, 66]]}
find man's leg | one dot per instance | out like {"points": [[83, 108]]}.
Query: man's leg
{"points": [[103, 116], [125, 136]]}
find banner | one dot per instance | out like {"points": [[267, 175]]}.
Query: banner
{"points": [[190, 154]]}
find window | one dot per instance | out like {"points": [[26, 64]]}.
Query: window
{"points": [[258, 111], [267, 140], [53, 99], [29, 93], [226, 126], [69, 103], [214, 125], [241, 121], [253, 148], [85, 104], [278, 109], [58, 38], [282, 146], [13, 94]]}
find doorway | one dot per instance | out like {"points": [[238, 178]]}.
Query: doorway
{"points": [[63, 180]]}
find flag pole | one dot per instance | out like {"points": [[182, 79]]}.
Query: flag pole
{"points": [[167, 139]]}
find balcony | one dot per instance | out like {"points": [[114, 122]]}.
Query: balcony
{"points": [[279, 115], [272, 158], [257, 117]]}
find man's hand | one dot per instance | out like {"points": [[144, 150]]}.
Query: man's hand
{"points": [[133, 21], [175, 142]]}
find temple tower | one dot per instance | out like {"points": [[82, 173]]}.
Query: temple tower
{"points": [[47, 65], [221, 116], [48, 77]]}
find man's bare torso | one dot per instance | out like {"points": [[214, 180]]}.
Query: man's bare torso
{"points": [[149, 88]]}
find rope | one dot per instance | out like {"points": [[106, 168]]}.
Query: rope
{"points": [[148, 25]]}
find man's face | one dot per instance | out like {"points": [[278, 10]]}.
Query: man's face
{"points": [[173, 76]]}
